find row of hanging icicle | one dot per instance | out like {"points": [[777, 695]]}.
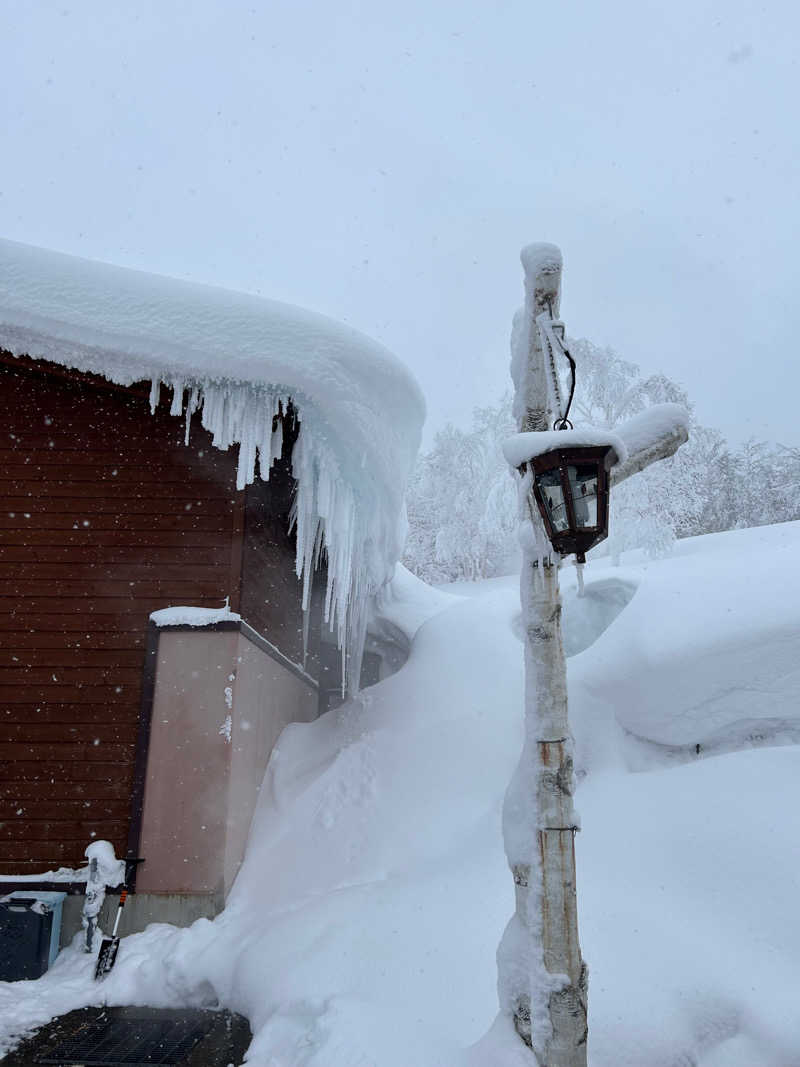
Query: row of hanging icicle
{"points": [[324, 509]]}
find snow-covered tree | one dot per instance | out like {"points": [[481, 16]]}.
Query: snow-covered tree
{"points": [[461, 498], [787, 464], [758, 498], [611, 389], [462, 502], [651, 510]]}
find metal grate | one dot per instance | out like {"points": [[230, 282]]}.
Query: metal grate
{"points": [[115, 1042]]}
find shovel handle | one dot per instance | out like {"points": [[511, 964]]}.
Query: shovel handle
{"points": [[122, 898]]}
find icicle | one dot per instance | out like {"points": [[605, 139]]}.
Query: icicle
{"points": [[192, 405], [262, 434], [276, 442], [306, 622], [326, 515], [248, 419], [176, 408], [319, 544], [212, 410], [579, 569], [225, 434]]}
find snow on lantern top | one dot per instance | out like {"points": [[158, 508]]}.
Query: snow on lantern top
{"points": [[238, 357], [522, 447], [570, 483]]}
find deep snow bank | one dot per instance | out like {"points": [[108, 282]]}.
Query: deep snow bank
{"points": [[707, 652], [374, 876], [362, 929], [688, 884]]}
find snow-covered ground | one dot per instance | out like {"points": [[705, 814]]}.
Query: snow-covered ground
{"points": [[363, 926]]}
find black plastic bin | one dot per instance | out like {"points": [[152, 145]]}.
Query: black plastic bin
{"points": [[26, 937]]}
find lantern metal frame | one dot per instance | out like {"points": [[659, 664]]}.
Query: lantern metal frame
{"points": [[577, 538]]}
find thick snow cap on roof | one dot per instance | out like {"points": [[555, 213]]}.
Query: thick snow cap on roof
{"points": [[239, 357]]}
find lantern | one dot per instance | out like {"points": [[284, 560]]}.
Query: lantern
{"points": [[570, 486]]}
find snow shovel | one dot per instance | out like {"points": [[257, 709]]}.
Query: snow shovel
{"points": [[110, 945]]}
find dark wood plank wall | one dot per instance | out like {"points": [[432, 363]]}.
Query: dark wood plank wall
{"points": [[271, 594], [105, 516]]}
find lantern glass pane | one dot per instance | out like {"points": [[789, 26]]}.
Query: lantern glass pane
{"points": [[553, 496], [583, 483]]}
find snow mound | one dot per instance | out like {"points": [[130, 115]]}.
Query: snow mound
{"points": [[407, 602], [585, 618], [687, 901], [708, 651], [239, 359]]}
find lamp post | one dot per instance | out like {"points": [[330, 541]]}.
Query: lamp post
{"points": [[564, 491], [542, 977]]}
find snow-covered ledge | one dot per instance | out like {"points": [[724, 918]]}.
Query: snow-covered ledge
{"points": [[186, 615]]}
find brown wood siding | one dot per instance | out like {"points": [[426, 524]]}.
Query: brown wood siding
{"points": [[271, 592], [105, 516]]}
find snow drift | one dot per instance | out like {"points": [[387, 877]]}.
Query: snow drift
{"points": [[362, 929]]}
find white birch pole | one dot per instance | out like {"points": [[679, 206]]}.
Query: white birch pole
{"points": [[542, 977]]}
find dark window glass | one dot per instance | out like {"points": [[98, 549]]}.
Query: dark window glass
{"points": [[583, 483], [553, 494]]}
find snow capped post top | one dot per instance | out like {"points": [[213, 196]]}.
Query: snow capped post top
{"points": [[541, 258], [542, 264]]}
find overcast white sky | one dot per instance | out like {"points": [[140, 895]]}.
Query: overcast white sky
{"points": [[384, 162]]}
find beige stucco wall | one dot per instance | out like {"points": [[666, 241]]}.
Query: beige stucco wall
{"points": [[267, 697], [201, 788]]}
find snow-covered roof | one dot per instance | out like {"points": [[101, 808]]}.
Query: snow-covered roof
{"points": [[239, 356]]}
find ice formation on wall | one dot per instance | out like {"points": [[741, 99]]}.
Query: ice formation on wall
{"points": [[237, 360]]}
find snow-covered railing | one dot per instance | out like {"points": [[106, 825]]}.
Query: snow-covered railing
{"points": [[111, 869]]}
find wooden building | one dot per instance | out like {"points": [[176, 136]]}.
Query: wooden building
{"points": [[119, 721]]}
